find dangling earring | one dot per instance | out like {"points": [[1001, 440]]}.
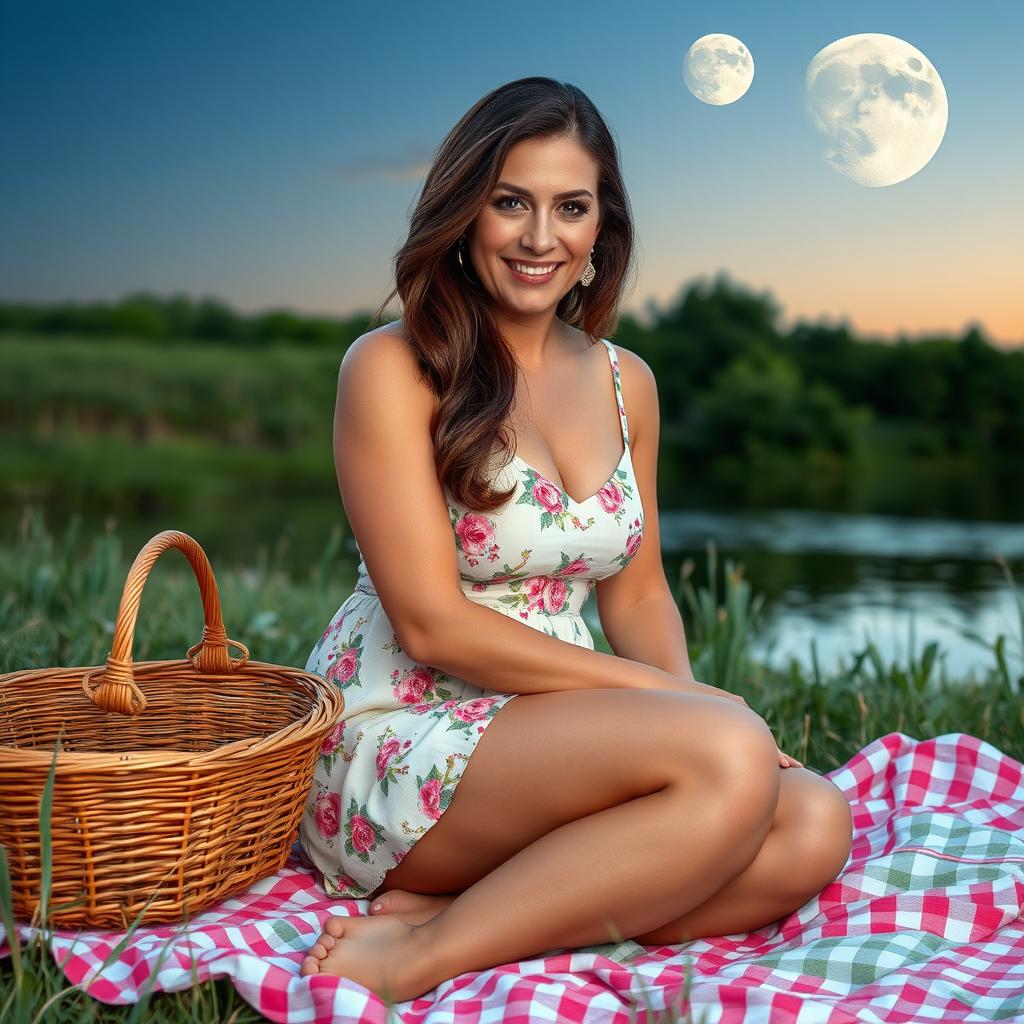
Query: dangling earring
{"points": [[458, 254], [590, 273]]}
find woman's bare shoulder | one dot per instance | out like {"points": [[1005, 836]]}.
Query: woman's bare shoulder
{"points": [[387, 350]]}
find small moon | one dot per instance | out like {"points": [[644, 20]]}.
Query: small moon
{"points": [[879, 105], [718, 69]]}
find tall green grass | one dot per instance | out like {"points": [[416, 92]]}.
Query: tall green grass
{"points": [[823, 720], [58, 600]]}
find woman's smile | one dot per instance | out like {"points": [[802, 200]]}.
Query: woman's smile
{"points": [[532, 276]]}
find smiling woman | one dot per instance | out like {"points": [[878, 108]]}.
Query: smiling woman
{"points": [[487, 749]]}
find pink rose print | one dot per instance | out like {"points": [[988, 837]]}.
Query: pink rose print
{"points": [[547, 495], [547, 593], [430, 798], [633, 543], [475, 533], [610, 497], [343, 667], [333, 738], [413, 685], [388, 752], [327, 813], [576, 566], [363, 836], [332, 628], [556, 593], [474, 710], [534, 588]]}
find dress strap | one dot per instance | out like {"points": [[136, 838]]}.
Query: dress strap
{"points": [[617, 378]]}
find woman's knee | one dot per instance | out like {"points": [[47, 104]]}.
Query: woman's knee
{"points": [[816, 821], [744, 758]]}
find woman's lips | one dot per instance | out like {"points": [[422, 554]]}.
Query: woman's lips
{"points": [[531, 278]]}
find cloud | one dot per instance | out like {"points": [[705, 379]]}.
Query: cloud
{"points": [[411, 165]]}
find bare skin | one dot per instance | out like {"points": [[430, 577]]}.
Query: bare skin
{"points": [[750, 900], [569, 828], [766, 842]]}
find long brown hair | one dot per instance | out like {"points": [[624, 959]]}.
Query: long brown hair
{"points": [[462, 352]]}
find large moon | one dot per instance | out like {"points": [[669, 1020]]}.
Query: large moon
{"points": [[718, 69], [879, 105]]}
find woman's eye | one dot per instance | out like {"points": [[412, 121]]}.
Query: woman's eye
{"points": [[582, 207]]}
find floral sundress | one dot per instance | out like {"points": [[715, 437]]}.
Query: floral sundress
{"points": [[389, 769]]}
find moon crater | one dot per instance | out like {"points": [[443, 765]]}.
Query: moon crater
{"points": [[879, 106], [718, 69]]}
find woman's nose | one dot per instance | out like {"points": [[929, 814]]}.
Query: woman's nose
{"points": [[538, 237]]}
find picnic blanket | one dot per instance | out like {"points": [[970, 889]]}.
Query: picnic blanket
{"points": [[924, 923]]}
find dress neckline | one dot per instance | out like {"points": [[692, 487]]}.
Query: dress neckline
{"points": [[561, 490], [626, 455]]}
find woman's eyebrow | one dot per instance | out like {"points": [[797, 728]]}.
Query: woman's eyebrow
{"points": [[529, 195]]}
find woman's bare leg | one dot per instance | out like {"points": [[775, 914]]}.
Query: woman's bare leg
{"points": [[806, 849], [617, 873], [710, 775]]}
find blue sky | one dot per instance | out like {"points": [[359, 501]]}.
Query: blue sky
{"points": [[270, 154]]}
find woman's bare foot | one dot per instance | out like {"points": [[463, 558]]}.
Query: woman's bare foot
{"points": [[383, 955], [410, 907]]}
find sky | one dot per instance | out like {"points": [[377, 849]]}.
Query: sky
{"points": [[270, 154]]}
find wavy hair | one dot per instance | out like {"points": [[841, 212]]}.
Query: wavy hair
{"points": [[462, 353]]}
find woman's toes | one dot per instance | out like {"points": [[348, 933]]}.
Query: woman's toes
{"points": [[323, 945], [399, 901], [334, 927], [385, 904]]}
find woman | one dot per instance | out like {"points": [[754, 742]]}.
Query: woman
{"points": [[613, 796]]}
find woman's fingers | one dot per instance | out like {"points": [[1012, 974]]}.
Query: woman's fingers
{"points": [[787, 761]]}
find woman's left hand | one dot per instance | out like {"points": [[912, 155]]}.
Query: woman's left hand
{"points": [[785, 760]]}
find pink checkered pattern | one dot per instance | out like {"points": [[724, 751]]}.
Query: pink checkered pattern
{"points": [[924, 924]]}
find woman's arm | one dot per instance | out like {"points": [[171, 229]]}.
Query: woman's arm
{"points": [[650, 631], [385, 464], [639, 615]]}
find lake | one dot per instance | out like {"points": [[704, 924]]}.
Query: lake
{"points": [[836, 578], [842, 579]]}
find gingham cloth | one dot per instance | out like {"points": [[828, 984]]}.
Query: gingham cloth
{"points": [[923, 924]]}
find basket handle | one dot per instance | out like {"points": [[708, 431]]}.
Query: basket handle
{"points": [[114, 688]]}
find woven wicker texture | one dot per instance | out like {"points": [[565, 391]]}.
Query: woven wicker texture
{"points": [[184, 778]]}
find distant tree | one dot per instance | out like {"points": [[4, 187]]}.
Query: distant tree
{"points": [[759, 402]]}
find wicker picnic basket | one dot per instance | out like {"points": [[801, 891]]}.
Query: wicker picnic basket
{"points": [[185, 779]]}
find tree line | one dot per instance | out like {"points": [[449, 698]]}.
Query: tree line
{"points": [[729, 379]]}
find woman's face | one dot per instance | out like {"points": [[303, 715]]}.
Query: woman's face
{"points": [[529, 217]]}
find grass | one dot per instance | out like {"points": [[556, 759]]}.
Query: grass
{"points": [[58, 599]]}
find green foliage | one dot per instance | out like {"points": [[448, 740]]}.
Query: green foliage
{"points": [[719, 634], [759, 404], [144, 316], [58, 603], [154, 399], [824, 720]]}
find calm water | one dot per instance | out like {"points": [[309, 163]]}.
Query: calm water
{"points": [[837, 579], [841, 580]]}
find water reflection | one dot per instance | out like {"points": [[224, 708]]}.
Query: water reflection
{"points": [[840, 580], [834, 578]]}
